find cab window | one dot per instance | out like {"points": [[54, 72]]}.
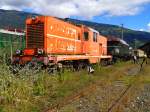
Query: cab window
{"points": [[95, 37], [86, 36], [78, 36]]}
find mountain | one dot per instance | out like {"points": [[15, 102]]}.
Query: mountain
{"points": [[131, 36], [16, 19], [13, 19]]}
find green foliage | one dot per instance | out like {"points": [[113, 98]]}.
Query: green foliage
{"points": [[9, 44], [33, 92], [29, 92]]}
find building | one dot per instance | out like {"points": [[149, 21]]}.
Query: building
{"points": [[10, 40], [146, 48]]}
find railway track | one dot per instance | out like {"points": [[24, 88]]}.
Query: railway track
{"points": [[84, 92], [117, 102], [87, 91], [115, 106]]}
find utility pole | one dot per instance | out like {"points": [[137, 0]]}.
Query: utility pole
{"points": [[122, 32], [134, 43], [11, 47]]}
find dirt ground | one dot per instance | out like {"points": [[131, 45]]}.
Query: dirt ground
{"points": [[141, 103]]}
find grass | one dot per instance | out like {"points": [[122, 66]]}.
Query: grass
{"points": [[141, 79], [34, 92], [30, 92]]}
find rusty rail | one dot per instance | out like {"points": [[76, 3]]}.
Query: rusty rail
{"points": [[122, 95], [86, 91], [119, 98]]}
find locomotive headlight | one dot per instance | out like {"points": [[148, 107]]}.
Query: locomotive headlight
{"points": [[18, 52], [40, 51]]}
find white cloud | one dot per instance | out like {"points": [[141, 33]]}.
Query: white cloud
{"points": [[141, 30], [148, 24], [83, 8]]}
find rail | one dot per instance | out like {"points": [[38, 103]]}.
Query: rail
{"points": [[86, 91]]}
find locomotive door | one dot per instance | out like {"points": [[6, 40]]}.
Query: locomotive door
{"points": [[100, 49], [86, 43], [85, 47]]}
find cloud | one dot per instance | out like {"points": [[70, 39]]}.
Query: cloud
{"points": [[148, 26], [141, 30], [81, 8]]}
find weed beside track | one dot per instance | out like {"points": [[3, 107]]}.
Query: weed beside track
{"points": [[28, 92]]}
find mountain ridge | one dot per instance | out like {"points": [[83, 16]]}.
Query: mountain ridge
{"points": [[114, 30], [16, 19]]}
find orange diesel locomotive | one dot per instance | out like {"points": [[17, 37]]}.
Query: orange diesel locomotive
{"points": [[52, 41]]}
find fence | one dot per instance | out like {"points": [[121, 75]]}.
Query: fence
{"points": [[10, 42]]}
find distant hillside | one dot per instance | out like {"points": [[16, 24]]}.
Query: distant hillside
{"points": [[16, 19], [13, 19], [130, 36]]}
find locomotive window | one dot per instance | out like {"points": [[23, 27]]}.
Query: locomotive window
{"points": [[86, 36], [94, 37], [78, 36]]}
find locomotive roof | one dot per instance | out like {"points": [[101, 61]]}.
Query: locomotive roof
{"points": [[118, 40], [124, 42], [93, 30]]}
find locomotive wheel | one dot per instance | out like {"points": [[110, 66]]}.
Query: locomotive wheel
{"points": [[79, 66], [52, 69], [36, 67], [55, 68], [103, 63]]}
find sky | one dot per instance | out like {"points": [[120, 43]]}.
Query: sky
{"points": [[134, 14]]}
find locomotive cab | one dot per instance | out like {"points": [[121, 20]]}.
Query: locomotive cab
{"points": [[94, 44], [90, 41]]}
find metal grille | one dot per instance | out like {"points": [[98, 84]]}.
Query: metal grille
{"points": [[35, 35]]}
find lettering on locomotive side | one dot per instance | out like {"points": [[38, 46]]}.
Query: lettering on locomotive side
{"points": [[64, 29], [70, 47], [61, 44]]}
